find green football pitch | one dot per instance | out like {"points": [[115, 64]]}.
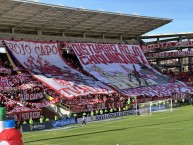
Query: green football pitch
{"points": [[166, 128]]}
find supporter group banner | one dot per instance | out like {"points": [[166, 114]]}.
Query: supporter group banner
{"points": [[27, 115], [46, 64], [118, 65], [159, 90], [146, 48], [170, 54], [31, 96]]}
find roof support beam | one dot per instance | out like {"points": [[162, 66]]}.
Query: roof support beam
{"points": [[65, 16], [12, 30], [30, 18], [122, 25], [84, 35], [83, 21], [63, 34], [103, 36], [121, 37], [12, 9], [39, 32], [106, 21]]}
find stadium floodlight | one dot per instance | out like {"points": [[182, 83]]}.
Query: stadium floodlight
{"points": [[135, 14], [34, 1], [60, 4], [119, 12], [81, 7]]}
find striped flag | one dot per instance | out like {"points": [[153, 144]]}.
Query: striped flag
{"points": [[2, 118]]}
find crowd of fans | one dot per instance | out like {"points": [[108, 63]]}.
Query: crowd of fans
{"points": [[73, 61], [186, 77], [15, 83], [22, 82]]}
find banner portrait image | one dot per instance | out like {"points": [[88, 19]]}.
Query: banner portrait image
{"points": [[118, 65], [45, 63]]}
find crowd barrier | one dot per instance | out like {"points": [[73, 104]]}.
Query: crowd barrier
{"points": [[36, 127], [47, 125], [65, 122]]}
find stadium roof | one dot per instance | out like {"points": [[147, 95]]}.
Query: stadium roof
{"points": [[187, 34], [28, 17]]}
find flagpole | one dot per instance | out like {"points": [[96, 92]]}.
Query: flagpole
{"points": [[136, 105]]}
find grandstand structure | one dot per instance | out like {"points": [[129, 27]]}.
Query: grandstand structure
{"points": [[87, 60], [178, 63], [30, 20], [22, 19]]}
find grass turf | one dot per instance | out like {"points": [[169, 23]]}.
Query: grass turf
{"points": [[166, 128]]}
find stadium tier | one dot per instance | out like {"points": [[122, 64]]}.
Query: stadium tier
{"points": [[91, 77], [92, 66]]}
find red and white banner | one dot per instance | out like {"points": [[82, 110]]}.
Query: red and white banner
{"points": [[179, 96], [142, 99], [21, 109], [119, 65], [42, 104], [26, 115], [146, 48], [46, 64], [31, 96], [170, 54], [158, 90]]}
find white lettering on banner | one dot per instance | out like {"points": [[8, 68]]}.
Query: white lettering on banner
{"points": [[179, 96], [26, 48], [28, 115], [90, 53], [108, 116], [170, 54], [114, 115], [119, 65], [42, 104], [34, 96], [158, 90], [44, 60], [146, 48]]}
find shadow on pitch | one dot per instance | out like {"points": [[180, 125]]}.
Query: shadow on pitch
{"points": [[111, 130]]}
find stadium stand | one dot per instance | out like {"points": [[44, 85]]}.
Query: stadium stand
{"points": [[28, 82]]}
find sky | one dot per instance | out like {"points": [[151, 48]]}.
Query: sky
{"points": [[178, 10]]}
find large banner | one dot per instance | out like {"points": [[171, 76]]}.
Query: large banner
{"points": [[27, 115], [46, 64], [146, 48], [121, 66], [170, 54], [159, 90], [31, 96]]}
